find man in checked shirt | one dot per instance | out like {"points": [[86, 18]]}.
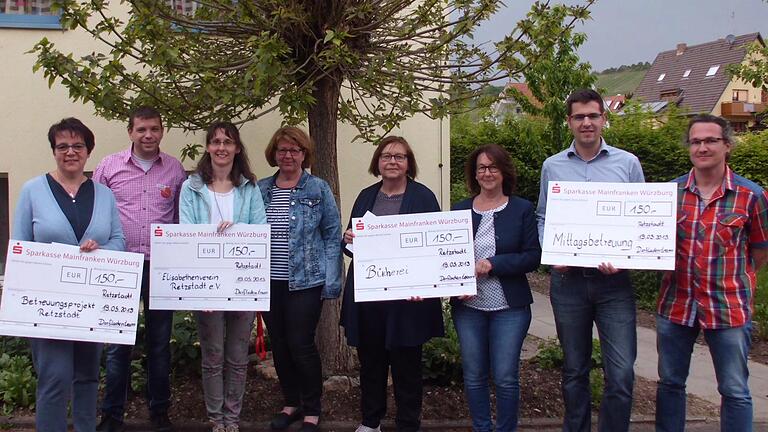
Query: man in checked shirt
{"points": [[146, 183], [722, 241]]}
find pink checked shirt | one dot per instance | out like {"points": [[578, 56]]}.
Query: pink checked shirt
{"points": [[142, 198]]}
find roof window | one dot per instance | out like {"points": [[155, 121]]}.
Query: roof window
{"points": [[661, 77], [713, 70], [686, 73]]}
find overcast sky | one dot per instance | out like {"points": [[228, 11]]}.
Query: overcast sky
{"points": [[630, 31]]}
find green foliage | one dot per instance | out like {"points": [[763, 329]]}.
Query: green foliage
{"points": [[655, 140], [624, 83], [551, 79], [760, 318], [17, 382], [749, 156], [646, 284], [14, 346], [185, 346], [441, 358], [550, 356], [524, 138], [755, 69]]}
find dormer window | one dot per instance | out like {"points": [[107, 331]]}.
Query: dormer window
{"points": [[661, 77], [686, 73], [713, 70]]}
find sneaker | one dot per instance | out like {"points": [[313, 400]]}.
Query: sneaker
{"points": [[232, 428], [161, 423], [110, 424], [309, 427], [218, 428], [363, 428]]}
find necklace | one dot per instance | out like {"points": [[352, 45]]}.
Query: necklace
{"points": [[72, 192]]}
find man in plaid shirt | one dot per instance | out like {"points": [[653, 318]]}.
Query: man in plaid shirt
{"points": [[146, 183], [722, 241]]}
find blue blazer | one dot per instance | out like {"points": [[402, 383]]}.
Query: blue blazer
{"points": [[517, 248]]}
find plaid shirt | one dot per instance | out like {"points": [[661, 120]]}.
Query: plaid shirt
{"points": [[142, 198], [714, 277]]}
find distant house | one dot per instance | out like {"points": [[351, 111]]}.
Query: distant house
{"points": [[507, 105], [615, 103], [694, 77]]}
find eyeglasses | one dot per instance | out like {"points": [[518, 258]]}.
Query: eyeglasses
{"points": [[226, 142], [293, 152], [581, 117], [63, 148], [399, 158], [493, 169], [707, 141]]}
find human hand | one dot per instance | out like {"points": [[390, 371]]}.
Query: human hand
{"points": [[465, 297], [349, 236], [415, 299], [607, 269], [483, 267], [89, 246], [560, 268], [223, 225]]}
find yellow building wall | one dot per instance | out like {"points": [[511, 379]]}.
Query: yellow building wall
{"points": [[28, 108], [754, 94]]}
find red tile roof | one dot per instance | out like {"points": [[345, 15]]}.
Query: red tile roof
{"points": [[698, 92]]}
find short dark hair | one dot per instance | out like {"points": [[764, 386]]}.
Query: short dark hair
{"points": [[584, 96], [75, 127], [144, 112], [413, 168], [500, 157], [709, 118], [293, 135], [240, 166]]}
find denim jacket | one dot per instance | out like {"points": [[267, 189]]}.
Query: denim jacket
{"points": [[194, 204], [315, 230]]}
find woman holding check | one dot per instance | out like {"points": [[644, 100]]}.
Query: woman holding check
{"points": [[65, 206], [492, 324], [223, 191], [390, 334]]}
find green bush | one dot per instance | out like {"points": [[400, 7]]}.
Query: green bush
{"points": [[646, 284], [760, 317], [550, 356], [17, 382], [185, 345], [749, 155], [441, 357]]}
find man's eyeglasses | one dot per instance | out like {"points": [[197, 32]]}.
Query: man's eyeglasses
{"points": [[490, 168], [63, 148], [707, 141], [386, 157], [581, 117], [292, 152]]}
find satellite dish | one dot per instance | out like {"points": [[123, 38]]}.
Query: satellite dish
{"points": [[730, 39]]}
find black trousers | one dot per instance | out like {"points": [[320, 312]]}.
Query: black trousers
{"points": [[375, 362], [291, 322]]}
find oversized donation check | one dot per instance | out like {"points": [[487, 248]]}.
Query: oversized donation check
{"points": [[54, 291], [195, 268], [414, 255], [630, 225]]}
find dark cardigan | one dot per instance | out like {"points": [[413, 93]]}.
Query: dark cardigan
{"points": [[408, 323], [517, 248]]}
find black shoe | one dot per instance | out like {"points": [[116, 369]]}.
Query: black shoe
{"points": [[309, 427], [110, 424], [282, 420], [161, 422]]}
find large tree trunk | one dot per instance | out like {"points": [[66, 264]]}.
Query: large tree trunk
{"points": [[336, 354]]}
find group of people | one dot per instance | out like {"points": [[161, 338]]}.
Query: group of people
{"points": [[722, 240]]}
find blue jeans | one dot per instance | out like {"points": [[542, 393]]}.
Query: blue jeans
{"points": [[66, 370], [158, 326], [492, 341], [580, 297], [729, 348]]}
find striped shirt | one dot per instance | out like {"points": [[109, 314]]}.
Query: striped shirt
{"points": [[143, 198], [278, 217], [714, 278]]}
